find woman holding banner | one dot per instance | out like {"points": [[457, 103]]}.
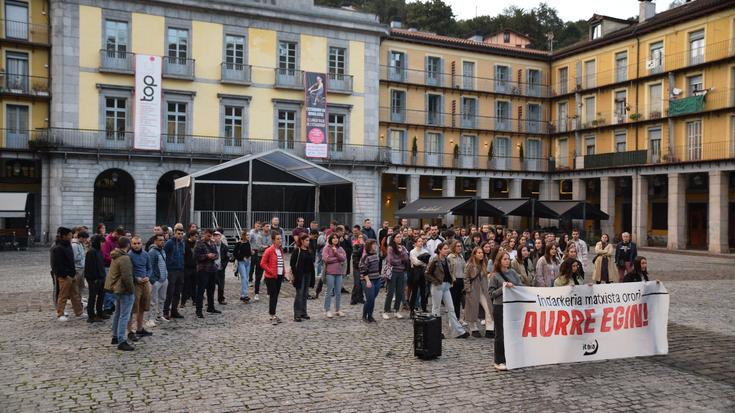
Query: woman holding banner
{"points": [[567, 269], [502, 275], [547, 267]]}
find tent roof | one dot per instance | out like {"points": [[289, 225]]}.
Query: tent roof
{"points": [[437, 207], [522, 207], [13, 204], [279, 159], [576, 210]]}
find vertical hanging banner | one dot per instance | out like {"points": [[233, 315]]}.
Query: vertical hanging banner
{"points": [[147, 103], [584, 323], [315, 91]]}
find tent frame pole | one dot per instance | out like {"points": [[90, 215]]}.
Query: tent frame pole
{"points": [[249, 206], [316, 203]]}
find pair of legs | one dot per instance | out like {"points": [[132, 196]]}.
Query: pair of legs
{"points": [[370, 295], [302, 294], [173, 292], [396, 285], [274, 288], [476, 298], [67, 286], [243, 268], [123, 308], [441, 293], [334, 285]]}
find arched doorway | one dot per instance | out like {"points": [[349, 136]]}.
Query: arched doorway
{"points": [[166, 209], [114, 199]]}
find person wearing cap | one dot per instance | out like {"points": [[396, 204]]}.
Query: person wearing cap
{"points": [[62, 265]]}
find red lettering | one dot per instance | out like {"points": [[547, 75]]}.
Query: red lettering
{"points": [[547, 327], [562, 320], [627, 316], [635, 316], [589, 322], [606, 318], [618, 318], [577, 320], [529, 325], [645, 314]]}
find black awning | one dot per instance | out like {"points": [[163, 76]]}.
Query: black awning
{"points": [[522, 207], [576, 210], [438, 207]]}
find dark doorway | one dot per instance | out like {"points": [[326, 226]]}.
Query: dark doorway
{"points": [[114, 199], [626, 218], [166, 211], [731, 225], [697, 225]]}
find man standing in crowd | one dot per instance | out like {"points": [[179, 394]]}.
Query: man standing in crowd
{"points": [[79, 244], [120, 282], [368, 230], [383, 233], [142, 270], [275, 227], [434, 240], [262, 242], [221, 263], [107, 248], [174, 249], [299, 230], [62, 265], [625, 254], [158, 280], [255, 259], [206, 254], [190, 270], [157, 230], [581, 247]]}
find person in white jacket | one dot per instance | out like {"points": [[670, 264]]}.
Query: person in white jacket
{"points": [[581, 247]]}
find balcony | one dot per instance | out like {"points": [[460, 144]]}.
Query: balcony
{"points": [[613, 159], [534, 126], [339, 83], [502, 124], [236, 73], [114, 61], [25, 86], [424, 118], [289, 79], [18, 31], [178, 67], [469, 121], [15, 139]]}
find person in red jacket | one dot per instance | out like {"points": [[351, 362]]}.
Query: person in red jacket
{"points": [[273, 264]]}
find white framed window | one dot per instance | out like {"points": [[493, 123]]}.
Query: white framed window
{"points": [[178, 45], [176, 118], [620, 104], [502, 115], [563, 80], [589, 110], [589, 73], [562, 115], [468, 75], [116, 109], [336, 133], [621, 66], [287, 57], [694, 140], [396, 65], [337, 59], [534, 82], [695, 84], [116, 38], [233, 125], [234, 51], [654, 100], [696, 47], [620, 141], [469, 112], [502, 79], [654, 144], [16, 19], [655, 62], [286, 128], [589, 144]]}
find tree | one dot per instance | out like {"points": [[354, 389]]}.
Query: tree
{"points": [[432, 16]]}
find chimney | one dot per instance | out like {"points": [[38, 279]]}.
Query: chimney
{"points": [[646, 11], [395, 24]]}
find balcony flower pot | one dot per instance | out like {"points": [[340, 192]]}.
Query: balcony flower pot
{"points": [[634, 116]]}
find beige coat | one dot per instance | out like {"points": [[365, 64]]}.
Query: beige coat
{"points": [[608, 252]]}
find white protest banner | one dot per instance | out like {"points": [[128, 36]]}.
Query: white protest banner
{"points": [[584, 323], [147, 103]]}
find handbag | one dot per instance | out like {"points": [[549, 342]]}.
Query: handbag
{"points": [[387, 271]]}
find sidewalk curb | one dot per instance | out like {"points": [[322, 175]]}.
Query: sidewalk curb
{"points": [[694, 253]]}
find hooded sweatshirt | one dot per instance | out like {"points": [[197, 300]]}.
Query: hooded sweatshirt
{"points": [[158, 264], [120, 277]]}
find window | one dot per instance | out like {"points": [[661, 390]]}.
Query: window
{"points": [[694, 140], [16, 20], [620, 103], [696, 47], [433, 148], [434, 109], [433, 70], [654, 101], [694, 85], [563, 79], [286, 129], [468, 75], [233, 125], [175, 122], [534, 118], [563, 151], [287, 58], [397, 66], [654, 144], [16, 72], [336, 131], [16, 119], [502, 79], [178, 45], [469, 112], [234, 52], [116, 38], [502, 115], [506, 37], [589, 145], [397, 106], [589, 111], [115, 117], [337, 59], [534, 82], [501, 149], [397, 143], [562, 115], [589, 74], [655, 63], [596, 31], [620, 141], [621, 66]]}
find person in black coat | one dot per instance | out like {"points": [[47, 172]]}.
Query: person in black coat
{"points": [[625, 253], [62, 266], [94, 273], [224, 258], [304, 277]]}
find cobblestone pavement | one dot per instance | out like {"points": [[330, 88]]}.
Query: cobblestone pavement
{"points": [[238, 361]]}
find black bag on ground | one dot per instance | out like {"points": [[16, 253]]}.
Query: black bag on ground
{"points": [[427, 337]]}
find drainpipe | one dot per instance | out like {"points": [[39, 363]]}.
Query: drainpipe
{"points": [[671, 121]]}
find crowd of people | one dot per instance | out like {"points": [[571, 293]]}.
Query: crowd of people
{"points": [[420, 269]]}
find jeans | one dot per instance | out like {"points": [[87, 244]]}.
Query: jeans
{"points": [[499, 343], [173, 292], [370, 295], [109, 300], [396, 285], [158, 298], [219, 280], [357, 294], [457, 292], [254, 262], [123, 308], [334, 283], [96, 295], [243, 268], [205, 281], [299, 302], [441, 292], [274, 288]]}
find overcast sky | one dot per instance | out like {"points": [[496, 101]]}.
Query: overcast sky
{"points": [[568, 9]]}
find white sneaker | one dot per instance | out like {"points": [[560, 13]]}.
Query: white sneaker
{"points": [[164, 319], [256, 298], [150, 324], [501, 367], [398, 316], [386, 316], [482, 322], [82, 316], [63, 318], [340, 314], [329, 314], [464, 323]]}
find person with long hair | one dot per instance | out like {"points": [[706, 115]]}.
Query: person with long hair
{"points": [[456, 266], [333, 255], [358, 249], [502, 275], [419, 257], [603, 261], [547, 267], [397, 257], [523, 266], [370, 278], [566, 273], [476, 293], [274, 271], [572, 252], [640, 271], [242, 254], [441, 279], [473, 241], [302, 268]]}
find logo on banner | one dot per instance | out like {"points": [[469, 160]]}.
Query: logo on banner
{"points": [[315, 93], [590, 349]]}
